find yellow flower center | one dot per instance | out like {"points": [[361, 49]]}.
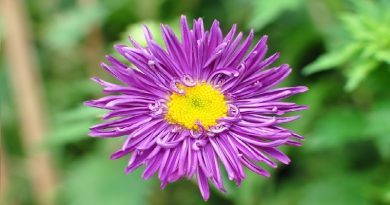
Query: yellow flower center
{"points": [[200, 103]]}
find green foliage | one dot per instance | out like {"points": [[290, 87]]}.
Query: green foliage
{"points": [[97, 180], [364, 47], [336, 127], [72, 125], [338, 190], [332, 59], [378, 125], [332, 189], [68, 28], [266, 12]]}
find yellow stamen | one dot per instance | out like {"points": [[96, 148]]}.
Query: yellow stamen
{"points": [[201, 102]]}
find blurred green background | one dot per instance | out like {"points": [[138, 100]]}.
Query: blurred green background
{"points": [[340, 49]]}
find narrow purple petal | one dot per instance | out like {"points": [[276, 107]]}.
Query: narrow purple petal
{"points": [[203, 185], [247, 135]]}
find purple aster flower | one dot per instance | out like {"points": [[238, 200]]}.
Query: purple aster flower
{"points": [[205, 102]]}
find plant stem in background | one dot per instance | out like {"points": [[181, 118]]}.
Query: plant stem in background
{"points": [[27, 90], [3, 172]]}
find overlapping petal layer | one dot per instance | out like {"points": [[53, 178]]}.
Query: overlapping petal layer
{"points": [[248, 135]]}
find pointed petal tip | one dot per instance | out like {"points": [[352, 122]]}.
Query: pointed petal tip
{"points": [[145, 26], [96, 80], [162, 26], [251, 32], [110, 58], [147, 29], [93, 134], [205, 194], [206, 198], [163, 185], [286, 161], [216, 22], [119, 47], [266, 174], [127, 170], [116, 155], [103, 64], [93, 78], [304, 88], [300, 89], [305, 107], [88, 103]]}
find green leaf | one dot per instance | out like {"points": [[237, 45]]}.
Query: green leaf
{"points": [[266, 12], [336, 190], [72, 126], [335, 128], [100, 181], [383, 56], [68, 28], [78, 114], [386, 197], [68, 133], [368, 8], [378, 126], [383, 145], [355, 25], [332, 59], [358, 72]]}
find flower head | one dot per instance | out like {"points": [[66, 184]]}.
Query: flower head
{"points": [[206, 101]]}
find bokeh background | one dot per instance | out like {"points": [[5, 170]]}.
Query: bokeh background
{"points": [[340, 49]]}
